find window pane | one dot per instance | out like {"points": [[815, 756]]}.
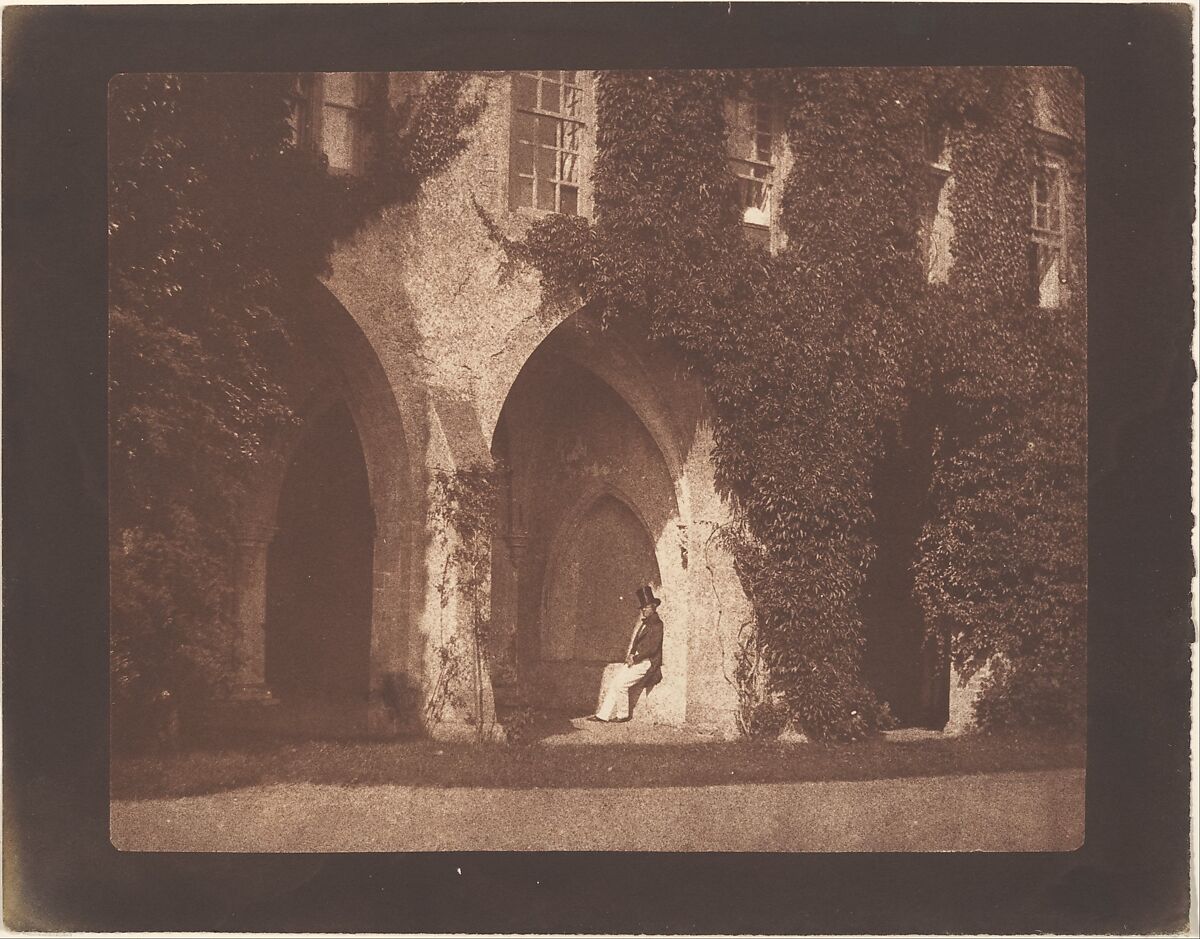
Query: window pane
{"points": [[572, 102], [570, 136], [569, 167], [337, 138], [763, 203], [1041, 189], [763, 119], [547, 131], [526, 126], [522, 158], [525, 92], [751, 129], [1055, 197], [750, 193], [756, 202], [550, 100], [299, 121], [1055, 221], [340, 88], [544, 167], [523, 192], [762, 147], [758, 236], [570, 200]]}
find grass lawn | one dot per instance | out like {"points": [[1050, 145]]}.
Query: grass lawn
{"points": [[213, 767]]}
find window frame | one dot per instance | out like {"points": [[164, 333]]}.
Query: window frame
{"points": [[302, 102], [1049, 244], [938, 173], [580, 122], [746, 166], [309, 102]]}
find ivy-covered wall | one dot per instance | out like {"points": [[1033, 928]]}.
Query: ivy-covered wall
{"points": [[456, 329], [825, 359], [870, 454], [219, 226]]}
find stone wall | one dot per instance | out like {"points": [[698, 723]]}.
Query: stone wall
{"points": [[447, 357], [423, 294]]}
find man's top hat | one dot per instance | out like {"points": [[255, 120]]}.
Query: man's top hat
{"points": [[646, 597]]}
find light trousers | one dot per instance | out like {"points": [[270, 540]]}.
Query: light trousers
{"points": [[615, 705]]}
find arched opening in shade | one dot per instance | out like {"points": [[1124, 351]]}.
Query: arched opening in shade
{"points": [[907, 668], [589, 505], [319, 569]]}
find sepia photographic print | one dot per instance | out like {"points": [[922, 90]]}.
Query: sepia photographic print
{"points": [[587, 469], [555, 459]]}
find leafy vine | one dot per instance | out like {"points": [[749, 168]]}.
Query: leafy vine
{"points": [[464, 501], [217, 221], [809, 355]]}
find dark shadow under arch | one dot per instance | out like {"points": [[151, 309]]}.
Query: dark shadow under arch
{"points": [[593, 500], [338, 374], [319, 568]]}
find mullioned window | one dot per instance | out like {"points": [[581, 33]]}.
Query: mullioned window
{"points": [[545, 162]]}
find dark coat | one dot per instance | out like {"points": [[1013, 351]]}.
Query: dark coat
{"points": [[647, 644]]}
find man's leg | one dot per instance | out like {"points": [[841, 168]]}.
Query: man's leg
{"points": [[615, 706]]}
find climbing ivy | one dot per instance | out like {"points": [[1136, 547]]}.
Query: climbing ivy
{"points": [[464, 502], [814, 357], [217, 223]]}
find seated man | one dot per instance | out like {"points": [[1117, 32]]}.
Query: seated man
{"points": [[643, 662]]}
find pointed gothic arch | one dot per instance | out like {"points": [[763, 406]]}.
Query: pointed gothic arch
{"points": [[584, 429], [600, 554], [344, 372]]}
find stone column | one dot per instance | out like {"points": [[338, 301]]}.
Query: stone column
{"points": [[517, 544], [250, 614], [964, 693], [516, 541]]}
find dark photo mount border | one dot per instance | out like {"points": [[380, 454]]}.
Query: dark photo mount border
{"points": [[60, 871]]}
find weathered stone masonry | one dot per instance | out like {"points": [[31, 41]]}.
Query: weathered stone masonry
{"points": [[442, 366], [422, 352]]}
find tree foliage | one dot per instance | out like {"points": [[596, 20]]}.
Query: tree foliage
{"points": [[810, 354], [216, 222]]}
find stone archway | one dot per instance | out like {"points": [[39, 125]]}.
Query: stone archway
{"points": [[592, 512], [336, 372]]}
